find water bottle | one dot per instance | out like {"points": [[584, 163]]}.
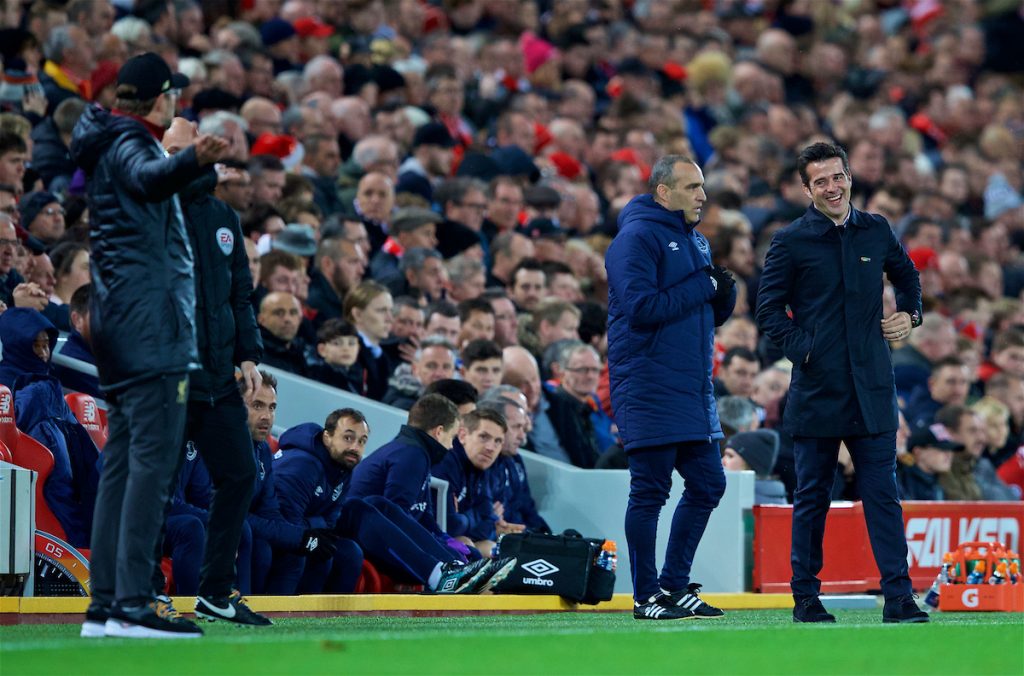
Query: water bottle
{"points": [[1014, 572], [978, 575], [999, 575], [932, 598], [608, 559], [495, 554]]}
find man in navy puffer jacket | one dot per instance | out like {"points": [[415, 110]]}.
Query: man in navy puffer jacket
{"points": [[664, 301]]}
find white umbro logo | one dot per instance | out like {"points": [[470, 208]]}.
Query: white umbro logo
{"points": [[540, 568], [674, 246], [319, 490]]}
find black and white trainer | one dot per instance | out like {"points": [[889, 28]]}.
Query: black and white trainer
{"points": [[151, 620], [654, 609], [95, 625], [690, 600], [459, 578], [231, 609], [497, 571]]}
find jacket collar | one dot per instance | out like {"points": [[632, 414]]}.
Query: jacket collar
{"points": [[822, 224], [417, 437]]}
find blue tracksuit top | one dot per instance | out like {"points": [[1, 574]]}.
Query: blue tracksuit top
{"points": [[470, 506], [509, 485], [308, 482], [265, 517], [400, 471], [661, 328]]}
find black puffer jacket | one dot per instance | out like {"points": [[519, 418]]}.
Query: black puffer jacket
{"points": [[143, 299], [50, 157], [226, 330]]}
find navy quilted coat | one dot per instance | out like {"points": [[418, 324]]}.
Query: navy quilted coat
{"points": [[661, 325]]}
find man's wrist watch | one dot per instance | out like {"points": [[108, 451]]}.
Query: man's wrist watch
{"points": [[915, 319]]}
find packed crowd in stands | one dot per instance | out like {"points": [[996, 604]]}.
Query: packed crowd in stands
{"points": [[427, 189]]}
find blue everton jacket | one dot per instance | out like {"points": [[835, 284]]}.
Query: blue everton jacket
{"points": [[661, 325]]}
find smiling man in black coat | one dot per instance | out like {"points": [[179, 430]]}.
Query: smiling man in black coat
{"points": [[827, 267]]}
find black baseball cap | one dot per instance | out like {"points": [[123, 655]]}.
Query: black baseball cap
{"points": [[933, 436], [150, 76]]}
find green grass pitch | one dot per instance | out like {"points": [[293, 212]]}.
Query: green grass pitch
{"points": [[743, 642]]}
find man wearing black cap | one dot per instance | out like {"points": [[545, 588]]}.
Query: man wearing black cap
{"points": [[431, 161], [143, 329], [931, 448]]}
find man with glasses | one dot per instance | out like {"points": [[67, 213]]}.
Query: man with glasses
{"points": [[143, 330], [43, 217]]}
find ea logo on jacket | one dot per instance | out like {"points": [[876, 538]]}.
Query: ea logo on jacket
{"points": [[225, 240]]}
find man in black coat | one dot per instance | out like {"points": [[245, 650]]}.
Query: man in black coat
{"points": [[143, 330], [827, 268], [217, 421]]}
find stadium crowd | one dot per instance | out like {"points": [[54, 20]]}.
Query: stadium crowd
{"points": [[426, 191]]}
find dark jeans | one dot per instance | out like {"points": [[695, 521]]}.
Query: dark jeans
{"points": [[220, 433], [147, 422], [874, 461], [650, 470]]}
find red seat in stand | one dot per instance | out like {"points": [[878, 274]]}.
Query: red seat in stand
{"points": [[89, 415], [28, 453]]}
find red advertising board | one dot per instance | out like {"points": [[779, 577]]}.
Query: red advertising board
{"points": [[932, 529]]}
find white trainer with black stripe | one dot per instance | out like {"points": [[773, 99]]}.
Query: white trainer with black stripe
{"points": [[655, 610], [689, 600]]}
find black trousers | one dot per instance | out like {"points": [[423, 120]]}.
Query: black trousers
{"points": [[146, 425], [874, 461], [220, 432]]}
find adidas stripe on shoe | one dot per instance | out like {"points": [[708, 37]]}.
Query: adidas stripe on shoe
{"points": [[690, 600], [654, 610]]}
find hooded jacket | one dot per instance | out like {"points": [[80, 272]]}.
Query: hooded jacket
{"points": [[661, 328], [42, 413], [143, 299], [226, 330], [400, 471], [309, 483]]}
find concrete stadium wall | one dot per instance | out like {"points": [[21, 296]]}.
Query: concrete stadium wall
{"points": [[591, 501]]}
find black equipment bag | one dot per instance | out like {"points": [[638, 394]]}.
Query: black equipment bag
{"points": [[556, 564]]}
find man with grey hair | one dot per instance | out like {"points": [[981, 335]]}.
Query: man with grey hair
{"points": [[323, 74], [320, 165], [421, 275], [665, 299], [737, 414], [434, 360], [69, 63], [468, 278], [231, 128], [373, 153], [225, 71]]}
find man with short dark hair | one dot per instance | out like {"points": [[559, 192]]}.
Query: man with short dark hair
{"points": [[13, 154], [338, 267], [471, 515], [143, 320], [949, 384], [412, 227], [820, 301], [481, 364], [400, 469], [737, 372], [434, 360], [527, 283]]}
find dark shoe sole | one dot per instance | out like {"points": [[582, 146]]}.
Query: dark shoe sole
{"points": [[909, 620]]}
